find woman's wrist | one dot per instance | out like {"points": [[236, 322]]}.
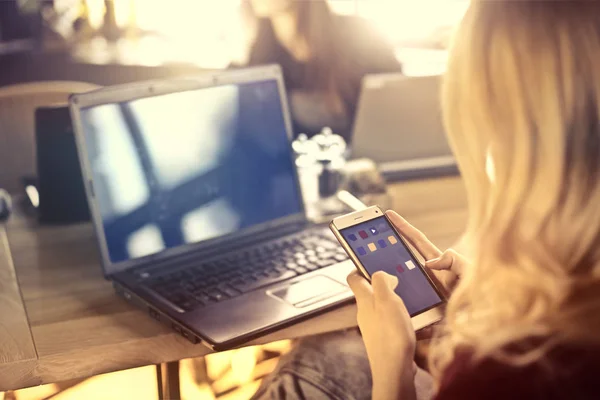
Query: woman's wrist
{"points": [[395, 382]]}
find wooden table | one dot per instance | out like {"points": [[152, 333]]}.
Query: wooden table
{"points": [[60, 320]]}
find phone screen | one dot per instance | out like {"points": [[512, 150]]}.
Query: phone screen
{"points": [[379, 248]]}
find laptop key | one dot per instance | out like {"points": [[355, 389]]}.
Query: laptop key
{"points": [[219, 268], [272, 272], [325, 263], [279, 259], [248, 279], [312, 259], [249, 286], [183, 274], [229, 276], [234, 275], [288, 253], [271, 247], [177, 298], [188, 285], [238, 281], [260, 275], [189, 304], [203, 298], [212, 281], [341, 257], [170, 287], [229, 291], [301, 270], [311, 267], [216, 295], [326, 255]]}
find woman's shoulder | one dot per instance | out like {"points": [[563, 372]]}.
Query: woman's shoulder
{"points": [[565, 372]]}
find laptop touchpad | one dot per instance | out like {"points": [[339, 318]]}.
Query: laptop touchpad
{"points": [[310, 291]]}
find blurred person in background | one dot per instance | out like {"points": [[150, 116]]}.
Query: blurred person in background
{"points": [[522, 89], [323, 57]]}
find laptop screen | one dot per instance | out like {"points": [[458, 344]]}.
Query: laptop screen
{"points": [[190, 166]]}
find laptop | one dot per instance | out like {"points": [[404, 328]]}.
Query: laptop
{"points": [[399, 126], [196, 204]]}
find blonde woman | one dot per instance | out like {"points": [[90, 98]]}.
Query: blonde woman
{"points": [[523, 320]]}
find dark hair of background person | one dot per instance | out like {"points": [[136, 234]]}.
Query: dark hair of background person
{"points": [[342, 50], [315, 25]]}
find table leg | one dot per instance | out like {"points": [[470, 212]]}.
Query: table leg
{"points": [[9, 395], [167, 377]]}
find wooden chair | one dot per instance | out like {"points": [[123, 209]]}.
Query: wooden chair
{"points": [[17, 126]]}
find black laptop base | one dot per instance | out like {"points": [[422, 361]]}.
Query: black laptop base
{"points": [[195, 285], [192, 287]]}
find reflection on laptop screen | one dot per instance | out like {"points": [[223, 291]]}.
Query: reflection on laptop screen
{"points": [[189, 166]]}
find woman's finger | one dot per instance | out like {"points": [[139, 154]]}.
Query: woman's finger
{"points": [[414, 236], [360, 287], [385, 297], [443, 262], [450, 260], [459, 262], [383, 285]]}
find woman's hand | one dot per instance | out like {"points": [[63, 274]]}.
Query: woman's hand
{"points": [[388, 335], [447, 267]]}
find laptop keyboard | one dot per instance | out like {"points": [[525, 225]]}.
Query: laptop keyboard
{"points": [[200, 284]]}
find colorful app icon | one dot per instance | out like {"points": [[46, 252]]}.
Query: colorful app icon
{"points": [[352, 237], [392, 240], [373, 230], [361, 250], [383, 227], [372, 247], [363, 234], [382, 244], [399, 269], [410, 264]]}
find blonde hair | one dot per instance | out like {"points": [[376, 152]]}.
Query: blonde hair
{"points": [[523, 83]]}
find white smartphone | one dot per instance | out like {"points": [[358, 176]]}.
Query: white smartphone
{"points": [[373, 244]]}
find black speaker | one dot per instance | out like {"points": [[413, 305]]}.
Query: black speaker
{"points": [[62, 197], [5, 205]]}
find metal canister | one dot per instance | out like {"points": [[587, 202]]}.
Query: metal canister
{"points": [[320, 162]]}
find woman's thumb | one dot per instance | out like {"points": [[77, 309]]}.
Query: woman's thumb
{"points": [[383, 285], [442, 262]]}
